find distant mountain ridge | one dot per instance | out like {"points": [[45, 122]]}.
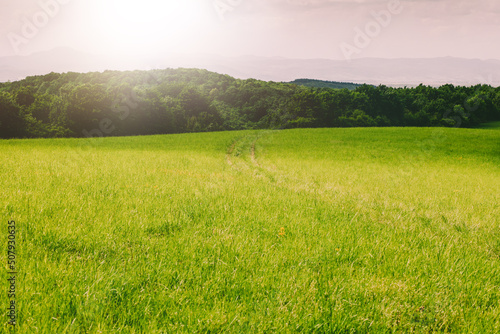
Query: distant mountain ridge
{"points": [[325, 84], [391, 72]]}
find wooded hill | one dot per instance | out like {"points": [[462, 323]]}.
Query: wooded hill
{"points": [[115, 103]]}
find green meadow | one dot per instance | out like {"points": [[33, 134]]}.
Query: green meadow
{"points": [[359, 230]]}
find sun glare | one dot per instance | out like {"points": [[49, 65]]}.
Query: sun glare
{"points": [[129, 23]]}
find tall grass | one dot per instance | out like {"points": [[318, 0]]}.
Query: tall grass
{"points": [[324, 230]]}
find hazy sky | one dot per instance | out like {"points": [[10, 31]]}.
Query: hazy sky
{"points": [[332, 29]]}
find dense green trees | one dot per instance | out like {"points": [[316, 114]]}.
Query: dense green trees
{"points": [[185, 100], [11, 121]]}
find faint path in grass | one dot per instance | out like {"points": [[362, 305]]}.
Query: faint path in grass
{"points": [[252, 154], [230, 152], [242, 158]]}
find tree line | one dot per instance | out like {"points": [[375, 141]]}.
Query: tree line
{"points": [[118, 103]]}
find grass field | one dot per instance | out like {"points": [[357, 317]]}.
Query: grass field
{"points": [[375, 230]]}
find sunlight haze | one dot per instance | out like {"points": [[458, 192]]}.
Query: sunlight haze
{"points": [[285, 28]]}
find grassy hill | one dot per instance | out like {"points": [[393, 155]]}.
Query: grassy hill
{"points": [[308, 230]]}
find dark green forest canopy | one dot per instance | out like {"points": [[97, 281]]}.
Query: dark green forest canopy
{"points": [[117, 103]]}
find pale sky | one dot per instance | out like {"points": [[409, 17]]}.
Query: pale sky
{"points": [[332, 29]]}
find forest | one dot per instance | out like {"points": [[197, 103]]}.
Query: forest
{"points": [[124, 103]]}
